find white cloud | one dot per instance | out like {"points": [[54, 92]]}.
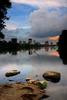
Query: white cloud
{"points": [[11, 26], [45, 23]]}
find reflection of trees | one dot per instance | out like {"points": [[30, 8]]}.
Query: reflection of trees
{"points": [[47, 48], [62, 46], [46, 43], [13, 47]]}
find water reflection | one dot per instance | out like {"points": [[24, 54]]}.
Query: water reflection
{"points": [[33, 64], [30, 50], [46, 48], [54, 53], [28, 62]]}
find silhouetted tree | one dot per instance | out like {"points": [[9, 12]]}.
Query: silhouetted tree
{"points": [[4, 5], [62, 46]]}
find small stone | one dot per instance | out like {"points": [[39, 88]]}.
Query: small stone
{"points": [[28, 79]]}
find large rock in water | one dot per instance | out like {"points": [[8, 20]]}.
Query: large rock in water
{"points": [[52, 76], [12, 73]]}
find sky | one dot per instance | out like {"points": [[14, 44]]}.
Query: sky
{"points": [[42, 18]]}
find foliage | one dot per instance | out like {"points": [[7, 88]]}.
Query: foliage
{"points": [[4, 6]]}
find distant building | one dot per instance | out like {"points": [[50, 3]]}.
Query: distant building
{"points": [[30, 41], [51, 43]]}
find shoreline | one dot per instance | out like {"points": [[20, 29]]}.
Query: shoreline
{"points": [[22, 91]]}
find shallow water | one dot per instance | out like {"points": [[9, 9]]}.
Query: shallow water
{"points": [[32, 64]]}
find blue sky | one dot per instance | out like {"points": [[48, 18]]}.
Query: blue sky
{"points": [[42, 17], [19, 15]]}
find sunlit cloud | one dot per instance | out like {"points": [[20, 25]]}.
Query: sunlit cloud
{"points": [[25, 1], [44, 3], [54, 38]]}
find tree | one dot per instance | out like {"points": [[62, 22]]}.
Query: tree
{"points": [[4, 6], [62, 46]]}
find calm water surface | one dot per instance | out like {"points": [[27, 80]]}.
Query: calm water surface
{"points": [[35, 64]]}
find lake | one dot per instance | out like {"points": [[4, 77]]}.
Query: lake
{"points": [[33, 64]]}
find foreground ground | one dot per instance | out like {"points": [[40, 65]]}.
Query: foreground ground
{"points": [[19, 91]]}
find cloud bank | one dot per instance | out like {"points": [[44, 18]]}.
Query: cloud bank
{"points": [[47, 23], [47, 17]]}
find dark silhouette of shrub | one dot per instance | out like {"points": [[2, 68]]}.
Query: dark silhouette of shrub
{"points": [[4, 6], [62, 46]]}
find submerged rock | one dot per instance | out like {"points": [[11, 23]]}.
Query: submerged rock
{"points": [[52, 76], [12, 73]]}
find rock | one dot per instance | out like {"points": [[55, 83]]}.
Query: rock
{"points": [[43, 97], [41, 85], [44, 83], [28, 79], [52, 76], [12, 73], [31, 81]]}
